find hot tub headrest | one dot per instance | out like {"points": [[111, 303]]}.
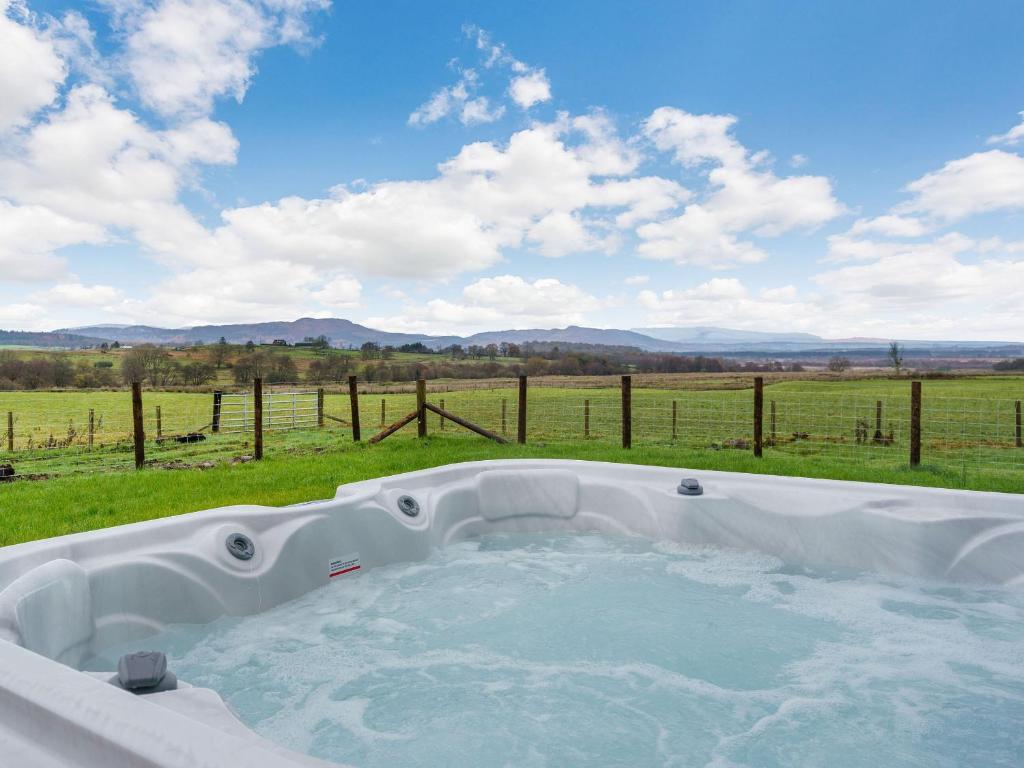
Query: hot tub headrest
{"points": [[49, 610], [503, 493]]}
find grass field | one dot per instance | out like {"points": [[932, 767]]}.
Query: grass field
{"points": [[79, 503], [820, 429]]}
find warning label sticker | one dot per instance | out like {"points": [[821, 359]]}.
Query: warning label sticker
{"points": [[342, 565]]}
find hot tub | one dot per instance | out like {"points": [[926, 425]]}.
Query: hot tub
{"points": [[531, 613]]}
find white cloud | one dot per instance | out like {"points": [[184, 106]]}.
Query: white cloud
{"points": [[1013, 136], [529, 89], [30, 69], [798, 161], [479, 110], [638, 280], [506, 301], [486, 199], [948, 288], [24, 316], [184, 54], [889, 225], [78, 295], [978, 183], [742, 199], [342, 292], [28, 236], [527, 86], [457, 100]]}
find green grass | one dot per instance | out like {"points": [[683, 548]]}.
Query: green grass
{"points": [[34, 510], [968, 442]]}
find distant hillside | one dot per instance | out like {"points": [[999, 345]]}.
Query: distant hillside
{"points": [[342, 333], [704, 334], [55, 339], [705, 340]]}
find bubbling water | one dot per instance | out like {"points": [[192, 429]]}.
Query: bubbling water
{"points": [[532, 650]]}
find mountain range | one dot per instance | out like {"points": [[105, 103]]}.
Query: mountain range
{"points": [[345, 333]]}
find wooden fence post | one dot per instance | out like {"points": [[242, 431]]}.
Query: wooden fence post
{"points": [[383, 412], [441, 416], [257, 419], [320, 407], [159, 424], [758, 415], [10, 430], [915, 423], [215, 425], [521, 415], [138, 434], [675, 419], [92, 426], [627, 411], [421, 408], [773, 436], [878, 421], [1020, 442], [353, 398], [586, 418], [504, 415]]}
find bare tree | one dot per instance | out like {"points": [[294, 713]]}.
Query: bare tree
{"points": [[896, 356], [219, 352], [148, 363], [838, 364]]}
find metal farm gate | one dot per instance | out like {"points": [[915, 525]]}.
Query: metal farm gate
{"points": [[282, 409]]}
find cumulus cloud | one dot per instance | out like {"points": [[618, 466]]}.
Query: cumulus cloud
{"points": [[1013, 136], [30, 69], [743, 197], [182, 55], [507, 300], [978, 183], [29, 235], [529, 89], [949, 287], [457, 100], [75, 294], [548, 188], [527, 86]]}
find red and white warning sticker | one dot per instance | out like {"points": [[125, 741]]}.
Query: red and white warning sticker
{"points": [[342, 565]]}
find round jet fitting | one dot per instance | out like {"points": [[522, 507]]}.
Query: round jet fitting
{"points": [[689, 486], [240, 546], [408, 506]]}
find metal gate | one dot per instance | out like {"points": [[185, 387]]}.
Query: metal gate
{"points": [[282, 409]]}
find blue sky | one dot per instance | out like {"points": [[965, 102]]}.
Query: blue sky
{"points": [[846, 169]]}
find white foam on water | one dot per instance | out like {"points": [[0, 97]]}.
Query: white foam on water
{"points": [[532, 650]]}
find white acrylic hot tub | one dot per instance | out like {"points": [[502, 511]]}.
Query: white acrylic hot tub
{"points": [[61, 600]]}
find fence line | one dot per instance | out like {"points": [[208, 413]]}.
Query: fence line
{"points": [[912, 428]]}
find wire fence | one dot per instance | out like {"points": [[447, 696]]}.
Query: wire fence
{"points": [[60, 433]]}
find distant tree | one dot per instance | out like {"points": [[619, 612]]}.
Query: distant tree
{"points": [[116, 345], [273, 369], [197, 373], [896, 356], [219, 352], [250, 345], [104, 347], [332, 367], [492, 351], [370, 350], [1017, 364], [838, 364], [418, 348], [150, 364], [513, 351], [535, 366]]}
